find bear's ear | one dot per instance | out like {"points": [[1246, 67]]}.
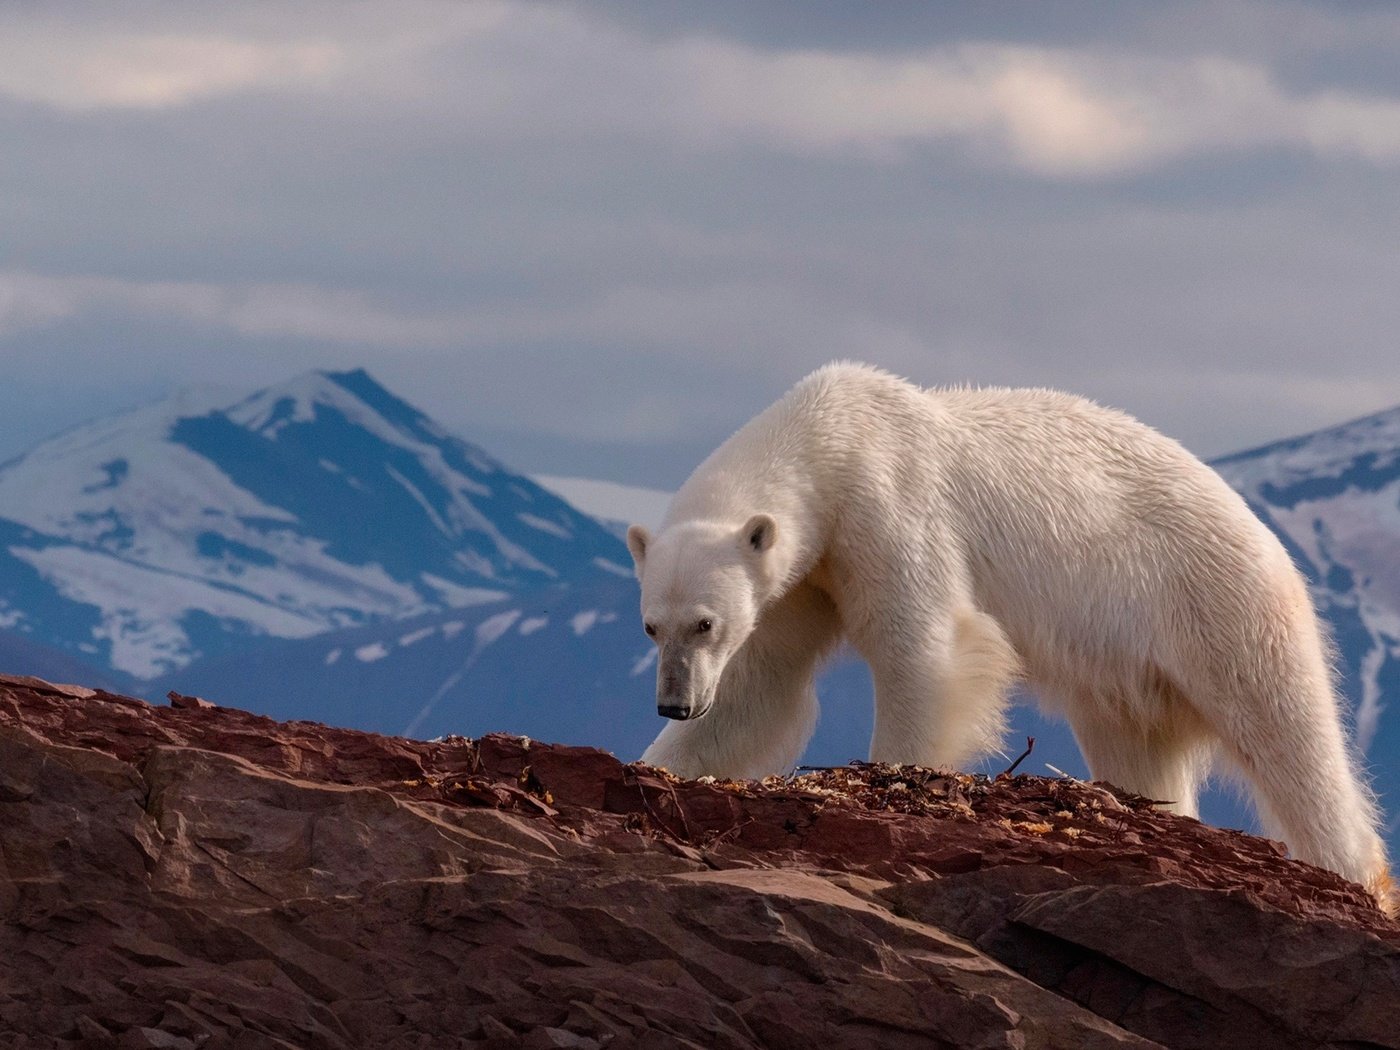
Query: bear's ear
{"points": [[758, 534], [637, 540]]}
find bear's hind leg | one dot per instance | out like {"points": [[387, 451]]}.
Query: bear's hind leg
{"points": [[1163, 762], [1307, 791], [1278, 721]]}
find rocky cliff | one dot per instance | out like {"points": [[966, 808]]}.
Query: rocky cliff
{"points": [[194, 876]]}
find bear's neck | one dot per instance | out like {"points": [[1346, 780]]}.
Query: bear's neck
{"points": [[780, 464]]}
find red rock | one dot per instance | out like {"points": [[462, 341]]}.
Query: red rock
{"points": [[197, 876], [180, 700]]}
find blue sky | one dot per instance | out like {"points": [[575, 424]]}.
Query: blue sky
{"points": [[598, 236]]}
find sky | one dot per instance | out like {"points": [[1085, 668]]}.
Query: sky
{"points": [[598, 236]]}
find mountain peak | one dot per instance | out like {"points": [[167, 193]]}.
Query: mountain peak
{"points": [[360, 374], [1329, 451], [311, 505]]}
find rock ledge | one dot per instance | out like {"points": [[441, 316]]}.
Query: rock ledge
{"points": [[196, 876]]}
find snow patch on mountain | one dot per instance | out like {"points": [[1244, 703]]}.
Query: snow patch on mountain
{"points": [[414, 637], [491, 629], [613, 567], [367, 654], [1371, 707], [644, 663], [120, 484], [544, 525], [143, 611], [586, 620], [458, 597]]}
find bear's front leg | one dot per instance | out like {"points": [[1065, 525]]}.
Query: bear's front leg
{"points": [[941, 688], [766, 705], [749, 736]]}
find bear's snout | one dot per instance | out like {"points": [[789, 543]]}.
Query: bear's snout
{"points": [[681, 691], [675, 682]]}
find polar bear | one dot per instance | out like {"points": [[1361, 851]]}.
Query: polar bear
{"points": [[960, 539]]}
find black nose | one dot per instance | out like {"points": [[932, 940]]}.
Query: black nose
{"points": [[673, 711]]}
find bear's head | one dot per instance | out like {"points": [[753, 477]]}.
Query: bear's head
{"points": [[704, 584]]}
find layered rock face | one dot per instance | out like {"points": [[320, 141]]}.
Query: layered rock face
{"points": [[194, 876]]}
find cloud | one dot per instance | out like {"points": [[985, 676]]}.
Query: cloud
{"points": [[1049, 111], [539, 219], [126, 70], [87, 57], [693, 318], [30, 300], [509, 69], [1059, 112]]}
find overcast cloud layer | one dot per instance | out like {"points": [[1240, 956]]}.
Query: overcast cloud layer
{"points": [[597, 237]]}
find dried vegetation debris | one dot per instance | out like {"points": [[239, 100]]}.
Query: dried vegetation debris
{"points": [[1023, 804], [892, 789]]}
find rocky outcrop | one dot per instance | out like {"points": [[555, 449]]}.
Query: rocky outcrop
{"points": [[194, 876]]}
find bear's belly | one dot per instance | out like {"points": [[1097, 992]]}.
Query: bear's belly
{"points": [[1117, 675]]}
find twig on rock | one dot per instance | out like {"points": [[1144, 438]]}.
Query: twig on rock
{"points": [[1030, 746]]}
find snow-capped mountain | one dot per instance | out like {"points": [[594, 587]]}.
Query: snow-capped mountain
{"points": [[147, 539]]}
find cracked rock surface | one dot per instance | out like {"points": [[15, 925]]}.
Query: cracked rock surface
{"points": [[195, 876]]}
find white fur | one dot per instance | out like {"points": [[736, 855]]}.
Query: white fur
{"points": [[958, 538]]}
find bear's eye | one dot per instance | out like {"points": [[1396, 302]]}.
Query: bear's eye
{"points": [[703, 626], [650, 629]]}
